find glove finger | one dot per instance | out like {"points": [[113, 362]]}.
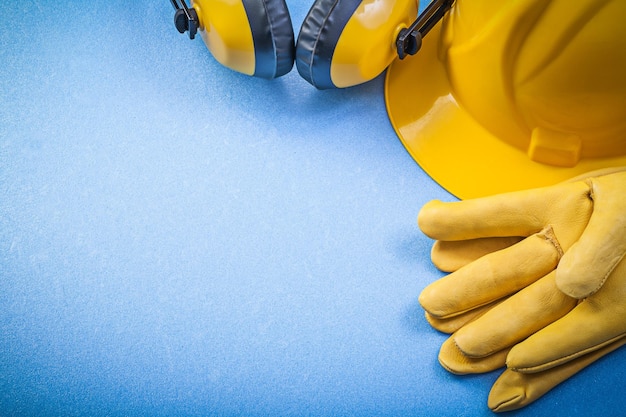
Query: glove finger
{"points": [[516, 318], [602, 245], [454, 361], [513, 390], [451, 255], [593, 323], [519, 213], [492, 277], [452, 324]]}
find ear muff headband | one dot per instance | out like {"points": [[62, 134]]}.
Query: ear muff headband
{"points": [[318, 37], [272, 34]]}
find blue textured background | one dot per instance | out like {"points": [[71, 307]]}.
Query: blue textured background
{"points": [[180, 239]]}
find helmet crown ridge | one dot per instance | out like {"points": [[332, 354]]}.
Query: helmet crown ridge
{"points": [[543, 76]]}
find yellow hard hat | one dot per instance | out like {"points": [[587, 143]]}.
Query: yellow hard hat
{"points": [[508, 95]]}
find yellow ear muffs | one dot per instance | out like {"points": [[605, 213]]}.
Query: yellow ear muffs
{"points": [[318, 37], [272, 35], [348, 42], [254, 37]]}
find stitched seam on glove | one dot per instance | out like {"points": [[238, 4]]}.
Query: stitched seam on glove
{"points": [[606, 276], [548, 233], [592, 193], [565, 359]]}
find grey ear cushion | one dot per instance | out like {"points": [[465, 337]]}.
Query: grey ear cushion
{"points": [[272, 34], [318, 37]]}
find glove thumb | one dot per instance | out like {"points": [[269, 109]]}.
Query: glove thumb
{"points": [[588, 263]]}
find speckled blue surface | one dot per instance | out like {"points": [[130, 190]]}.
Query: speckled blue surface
{"points": [[179, 239]]}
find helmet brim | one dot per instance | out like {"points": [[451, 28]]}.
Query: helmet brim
{"points": [[449, 145]]}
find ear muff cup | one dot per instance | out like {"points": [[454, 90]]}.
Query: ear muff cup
{"points": [[318, 37], [272, 34]]}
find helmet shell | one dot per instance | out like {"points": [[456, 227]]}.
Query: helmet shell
{"points": [[535, 88]]}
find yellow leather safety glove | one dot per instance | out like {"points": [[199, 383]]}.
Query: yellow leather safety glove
{"points": [[520, 263]]}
